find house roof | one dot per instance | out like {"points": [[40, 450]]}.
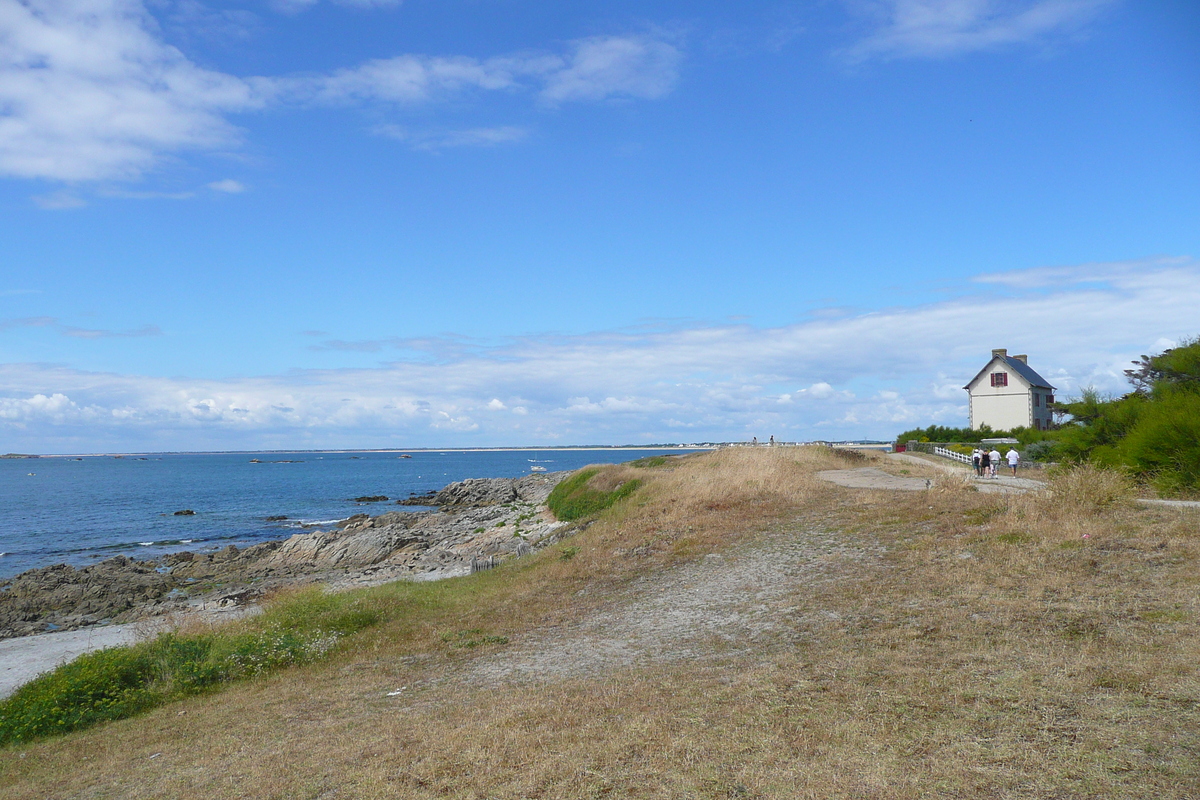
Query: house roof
{"points": [[1020, 367]]}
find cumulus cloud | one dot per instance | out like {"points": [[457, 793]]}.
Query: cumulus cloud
{"points": [[870, 375], [89, 91], [614, 66], [940, 28]]}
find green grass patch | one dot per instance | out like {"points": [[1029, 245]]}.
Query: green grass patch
{"points": [[120, 682], [649, 462], [574, 498]]}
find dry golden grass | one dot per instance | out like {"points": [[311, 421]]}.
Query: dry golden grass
{"points": [[984, 646]]}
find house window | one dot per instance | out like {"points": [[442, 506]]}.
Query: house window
{"points": [[1037, 399], [999, 379], [1049, 400]]}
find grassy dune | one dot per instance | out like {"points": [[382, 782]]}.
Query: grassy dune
{"points": [[735, 627]]}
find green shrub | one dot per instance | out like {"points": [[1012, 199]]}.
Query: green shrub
{"points": [[574, 498], [649, 462], [122, 681]]}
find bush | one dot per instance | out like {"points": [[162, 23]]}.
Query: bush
{"points": [[1088, 487], [1039, 451], [1164, 444], [578, 497], [122, 681]]}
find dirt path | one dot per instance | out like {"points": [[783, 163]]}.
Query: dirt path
{"points": [[871, 478], [741, 599]]}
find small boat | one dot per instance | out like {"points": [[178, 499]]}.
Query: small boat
{"points": [[406, 455], [536, 468]]}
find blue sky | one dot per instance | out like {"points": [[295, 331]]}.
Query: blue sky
{"points": [[481, 222]]}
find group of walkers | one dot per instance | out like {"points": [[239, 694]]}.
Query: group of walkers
{"points": [[987, 461]]}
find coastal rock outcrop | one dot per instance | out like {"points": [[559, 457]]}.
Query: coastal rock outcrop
{"points": [[490, 518], [62, 596]]}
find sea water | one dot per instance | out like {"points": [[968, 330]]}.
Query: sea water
{"points": [[82, 510]]}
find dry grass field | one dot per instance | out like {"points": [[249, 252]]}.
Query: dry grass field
{"points": [[736, 628]]}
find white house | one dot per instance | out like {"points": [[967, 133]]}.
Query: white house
{"points": [[1007, 394]]}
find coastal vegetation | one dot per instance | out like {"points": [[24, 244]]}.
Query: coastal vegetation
{"points": [[1153, 432], [734, 627], [590, 491], [120, 682]]}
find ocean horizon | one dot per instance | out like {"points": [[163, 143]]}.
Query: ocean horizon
{"points": [[80, 509]]}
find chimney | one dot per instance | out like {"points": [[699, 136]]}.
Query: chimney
{"points": [[1002, 352], [1024, 359]]}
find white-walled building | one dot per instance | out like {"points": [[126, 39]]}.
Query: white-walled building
{"points": [[1008, 394]]}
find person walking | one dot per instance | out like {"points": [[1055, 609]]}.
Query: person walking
{"points": [[994, 457], [1013, 457], [975, 456], [985, 463]]}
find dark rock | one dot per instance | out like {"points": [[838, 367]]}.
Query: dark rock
{"points": [[66, 597], [276, 518], [427, 499], [372, 498], [187, 512]]}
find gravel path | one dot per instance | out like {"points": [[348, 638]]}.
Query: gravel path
{"points": [[744, 599]]}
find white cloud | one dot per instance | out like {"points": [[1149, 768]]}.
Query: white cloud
{"points": [[228, 186], [592, 69], [614, 66], [88, 92], [471, 137], [940, 28], [866, 376]]}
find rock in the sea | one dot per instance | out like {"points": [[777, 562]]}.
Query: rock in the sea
{"points": [[187, 512], [372, 498], [276, 518]]}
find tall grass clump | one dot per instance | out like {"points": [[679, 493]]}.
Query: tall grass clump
{"points": [[120, 682], [590, 491], [1088, 487]]}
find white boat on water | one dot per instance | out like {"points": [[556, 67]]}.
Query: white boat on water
{"points": [[536, 468]]}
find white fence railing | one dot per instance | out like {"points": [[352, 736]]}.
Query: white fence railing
{"points": [[941, 451]]}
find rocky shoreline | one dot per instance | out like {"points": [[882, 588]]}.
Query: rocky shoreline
{"points": [[477, 522]]}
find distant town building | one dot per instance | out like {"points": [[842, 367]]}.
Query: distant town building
{"points": [[1008, 394]]}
